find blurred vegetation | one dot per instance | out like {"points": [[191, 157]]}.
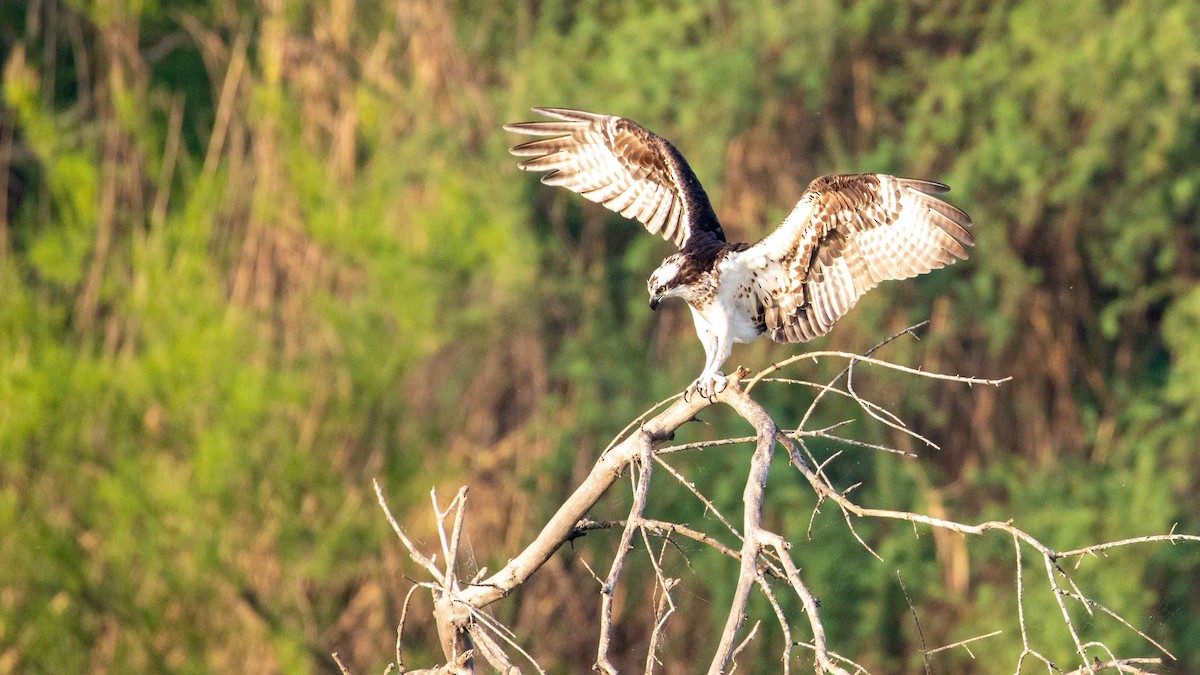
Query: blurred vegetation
{"points": [[253, 254]]}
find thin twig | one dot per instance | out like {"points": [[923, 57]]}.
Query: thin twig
{"points": [[413, 553], [664, 608], [700, 445], [400, 626], [483, 620], [705, 500], [964, 643], [774, 367], [740, 647], [1088, 601], [341, 666], [870, 407], [1098, 548], [917, 620], [638, 421], [858, 668], [861, 444], [456, 537], [440, 517], [1057, 592], [661, 528], [765, 586]]}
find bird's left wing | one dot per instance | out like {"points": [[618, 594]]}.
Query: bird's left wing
{"points": [[617, 162], [847, 234]]}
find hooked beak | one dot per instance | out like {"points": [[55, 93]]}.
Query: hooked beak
{"points": [[655, 300]]}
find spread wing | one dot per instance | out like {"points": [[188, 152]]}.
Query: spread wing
{"points": [[847, 234], [619, 163]]}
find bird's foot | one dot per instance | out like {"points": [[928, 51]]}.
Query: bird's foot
{"points": [[708, 385]]}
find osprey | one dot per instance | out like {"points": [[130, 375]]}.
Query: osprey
{"points": [[847, 233]]}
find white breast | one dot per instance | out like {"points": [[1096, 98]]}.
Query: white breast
{"points": [[731, 313]]}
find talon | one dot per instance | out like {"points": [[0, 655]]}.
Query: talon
{"points": [[708, 385], [719, 383]]}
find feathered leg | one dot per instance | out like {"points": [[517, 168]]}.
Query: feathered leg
{"points": [[716, 351]]}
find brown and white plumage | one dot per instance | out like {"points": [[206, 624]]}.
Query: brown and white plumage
{"points": [[622, 165], [847, 233]]}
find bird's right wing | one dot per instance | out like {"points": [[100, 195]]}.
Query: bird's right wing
{"points": [[619, 163]]}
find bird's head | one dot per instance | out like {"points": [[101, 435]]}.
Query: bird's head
{"points": [[667, 280]]}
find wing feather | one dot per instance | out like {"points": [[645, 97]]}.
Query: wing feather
{"points": [[661, 211], [674, 217], [620, 164], [845, 236]]}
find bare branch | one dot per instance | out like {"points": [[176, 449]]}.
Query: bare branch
{"points": [[700, 445], [440, 516], [783, 623], [610, 584], [1066, 615], [854, 358], [665, 607], [1123, 665], [467, 630], [456, 537], [659, 527], [824, 661], [603, 474], [1099, 548], [1048, 555], [858, 668], [400, 626], [752, 502]]}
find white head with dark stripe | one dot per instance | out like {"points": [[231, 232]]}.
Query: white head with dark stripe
{"points": [[673, 278]]}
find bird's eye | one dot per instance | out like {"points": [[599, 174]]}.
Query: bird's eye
{"points": [[662, 289]]}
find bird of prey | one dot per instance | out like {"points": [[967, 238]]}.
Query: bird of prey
{"points": [[846, 234]]}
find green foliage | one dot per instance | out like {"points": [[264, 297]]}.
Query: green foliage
{"points": [[255, 255]]}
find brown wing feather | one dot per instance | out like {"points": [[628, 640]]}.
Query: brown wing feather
{"points": [[619, 163], [847, 234]]}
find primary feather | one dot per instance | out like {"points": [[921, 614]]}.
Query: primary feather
{"points": [[619, 163]]}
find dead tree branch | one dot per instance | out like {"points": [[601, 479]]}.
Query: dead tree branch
{"points": [[763, 557]]}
